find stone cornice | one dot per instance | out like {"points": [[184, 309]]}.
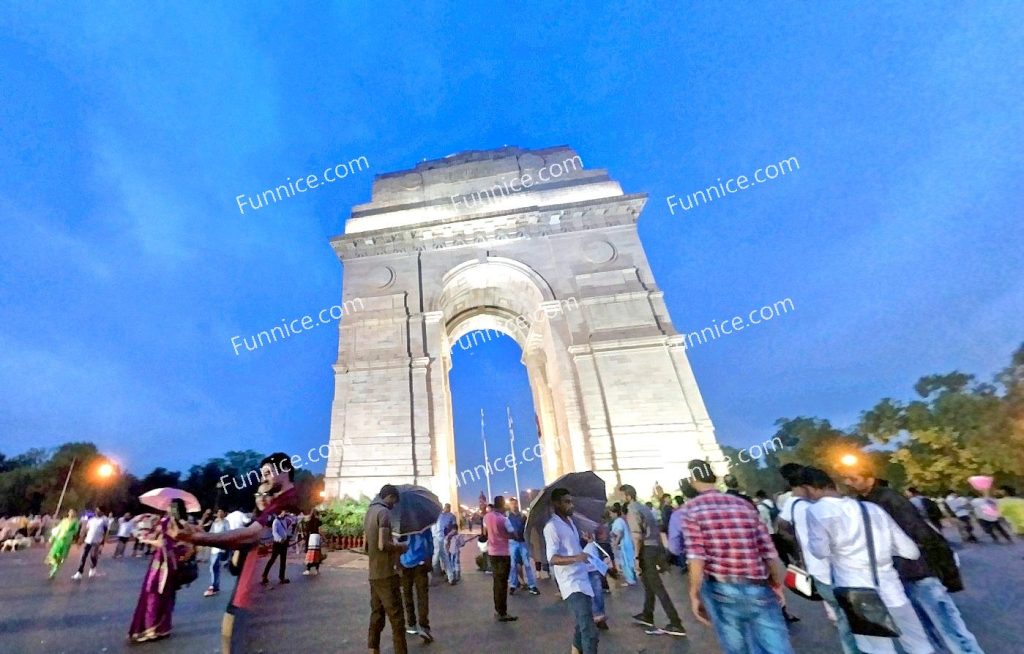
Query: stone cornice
{"points": [[486, 228]]}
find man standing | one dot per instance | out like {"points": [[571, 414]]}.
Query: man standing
{"points": [[926, 578], [124, 532], [666, 511], [415, 576], [217, 555], [385, 589], [241, 628], [497, 530], [569, 566], [95, 534], [445, 523], [651, 556], [735, 574], [795, 514], [519, 551], [838, 533]]}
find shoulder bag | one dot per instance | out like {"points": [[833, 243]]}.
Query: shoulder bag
{"points": [[864, 608]]}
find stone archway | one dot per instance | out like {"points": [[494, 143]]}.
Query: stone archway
{"points": [[556, 265]]}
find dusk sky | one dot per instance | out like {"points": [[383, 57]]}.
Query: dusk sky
{"points": [[127, 131]]}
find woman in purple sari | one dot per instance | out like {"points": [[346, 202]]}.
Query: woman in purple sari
{"points": [[152, 620]]}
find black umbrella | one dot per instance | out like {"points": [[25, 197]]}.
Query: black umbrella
{"points": [[417, 509], [589, 502]]}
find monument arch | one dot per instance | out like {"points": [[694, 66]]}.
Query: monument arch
{"points": [[612, 388]]}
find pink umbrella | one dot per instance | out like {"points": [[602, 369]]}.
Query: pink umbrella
{"points": [[980, 483], [160, 498]]}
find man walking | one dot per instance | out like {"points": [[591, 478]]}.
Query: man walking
{"points": [[735, 573], [961, 510], [281, 529], [497, 530], [928, 578], [415, 574], [95, 534], [519, 551], [385, 589], [651, 556], [569, 567]]}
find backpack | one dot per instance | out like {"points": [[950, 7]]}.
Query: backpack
{"points": [[773, 510], [932, 510]]}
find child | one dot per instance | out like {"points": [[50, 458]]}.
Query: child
{"points": [[453, 543], [597, 568]]}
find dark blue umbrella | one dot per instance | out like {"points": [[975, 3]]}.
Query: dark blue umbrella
{"points": [[589, 502], [417, 509]]}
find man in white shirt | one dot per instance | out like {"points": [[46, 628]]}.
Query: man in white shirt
{"points": [[568, 564], [795, 512], [837, 534], [95, 533], [124, 532], [217, 555]]}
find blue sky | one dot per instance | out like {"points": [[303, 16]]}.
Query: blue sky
{"points": [[127, 132]]}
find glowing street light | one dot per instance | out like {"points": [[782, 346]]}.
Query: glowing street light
{"points": [[323, 493], [105, 470], [849, 460]]}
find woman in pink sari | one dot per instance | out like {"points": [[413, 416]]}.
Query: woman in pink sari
{"points": [[152, 620]]}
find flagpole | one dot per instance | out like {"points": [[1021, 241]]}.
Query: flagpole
{"points": [[487, 460], [512, 447], [60, 502]]}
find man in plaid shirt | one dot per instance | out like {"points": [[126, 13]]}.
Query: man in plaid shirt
{"points": [[736, 578]]}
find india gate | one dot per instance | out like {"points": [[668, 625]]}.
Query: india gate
{"points": [[504, 239]]}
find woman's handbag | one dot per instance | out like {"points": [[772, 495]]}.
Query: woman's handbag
{"points": [[797, 579], [864, 608]]}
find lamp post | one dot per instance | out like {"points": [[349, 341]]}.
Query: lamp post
{"points": [[60, 502]]}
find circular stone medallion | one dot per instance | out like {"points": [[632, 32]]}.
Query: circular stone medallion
{"points": [[599, 252]]}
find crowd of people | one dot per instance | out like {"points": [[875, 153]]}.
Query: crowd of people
{"points": [[740, 552]]}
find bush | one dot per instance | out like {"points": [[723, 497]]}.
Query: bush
{"points": [[343, 517]]}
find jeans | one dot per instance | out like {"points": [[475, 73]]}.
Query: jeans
{"points": [[439, 558], [650, 556], [846, 638], [992, 527], [584, 637], [598, 588], [277, 550], [940, 615], [417, 578], [500, 565], [386, 600], [453, 566], [215, 562], [742, 612], [94, 550], [520, 553]]}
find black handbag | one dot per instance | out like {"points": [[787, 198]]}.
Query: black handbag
{"points": [[864, 608]]}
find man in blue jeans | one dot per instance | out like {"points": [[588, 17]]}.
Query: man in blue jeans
{"points": [[735, 574], [569, 567], [519, 551]]}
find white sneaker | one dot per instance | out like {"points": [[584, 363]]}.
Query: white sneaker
{"points": [[92, 573], [305, 573], [77, 576]]}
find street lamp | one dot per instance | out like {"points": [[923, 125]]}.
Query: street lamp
{"points": [[849, 460], [105, 470]]}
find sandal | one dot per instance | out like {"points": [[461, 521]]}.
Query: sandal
{"points": [[210, 592]]}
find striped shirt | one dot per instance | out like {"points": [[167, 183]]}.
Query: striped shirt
{"points": [[727, 534]]}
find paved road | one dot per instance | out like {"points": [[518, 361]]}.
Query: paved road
{"points": [[328, 613]]}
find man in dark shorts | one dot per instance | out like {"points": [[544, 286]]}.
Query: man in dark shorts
{"points": [[243, 607]]}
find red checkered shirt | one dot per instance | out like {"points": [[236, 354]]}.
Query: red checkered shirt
{"points": [[726, 532]]}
